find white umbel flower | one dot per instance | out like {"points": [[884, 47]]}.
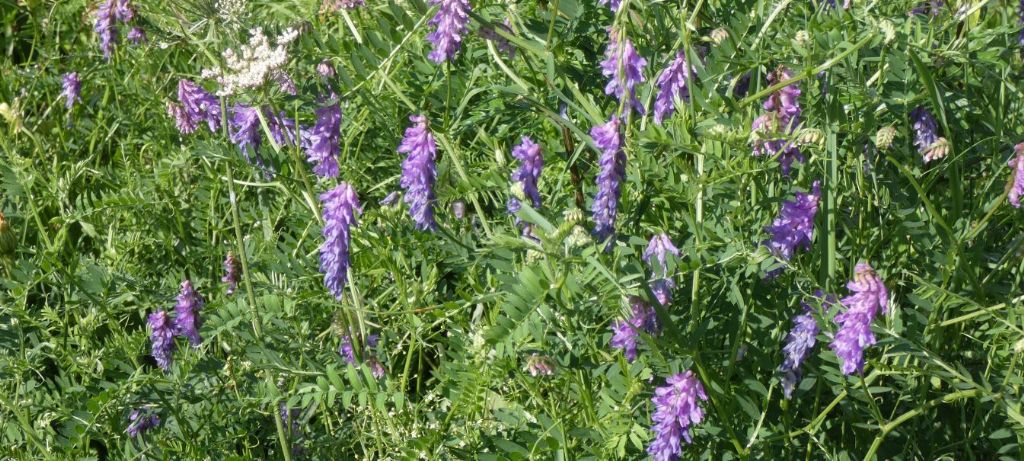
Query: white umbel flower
{"points": [[253, 64]]}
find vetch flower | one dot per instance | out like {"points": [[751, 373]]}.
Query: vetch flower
{"points": [[136, 35], [672, 87], [799, 343], [340, 207], [186, 320], [531, 162], [609, 179], [795, 225], [245, 132], [71, 89], [624, 69], [657, 251], [676, 409], [1017, 179], [625, 332], [503, 45], [782, 116], [325, 69], [540, 365], [321, 142], [282, 127], [926, 136], [162, 339], [613, 5], [106, 27], [230, 273], [419, 172], [854, 333], [450, 25], [140, 421], [196, 105], [348, 352]]}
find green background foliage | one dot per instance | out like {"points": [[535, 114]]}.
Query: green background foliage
{"points": [[111, 208]]}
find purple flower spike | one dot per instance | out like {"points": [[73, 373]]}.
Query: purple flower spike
{"points": [[137, 35], [245, 132], [672, 87], [71, 89], [531, 162], [321, 142], [348, 353], [162, 339], [503, 45], [230, 273], [782, 116], [658, 249], [625, 332], [609, 179], [1017, 180], [419, 172], [106, 27], [123, 11], [450, 22], [340, 207], [799, 342], [675, 410], [925, 128], [795, 225], [624, 69], [613, 5], [140, 421], [282, 128], [854, 333], [197, 105], [186, 320], [325, 69]]}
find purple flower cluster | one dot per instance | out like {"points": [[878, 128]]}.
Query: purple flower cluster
{"points": [[195, 105], [658, 250], [625, 332], [676, 408], [925, 130], [162, 339], [107, 15], [1020, 22], [854, 333], [614, 5], [503, 45], [230, 273], [245, 132], [335, 5], [540, 365], [419, 172], [624, 69], [348, 352], [799, 342], [795, 225], [531, 162], [609, 179], [71, 89], [340, 207], [140, 421], [782, 116], [672, 87], [322, 141], [450, 25], [1017, 180], [137, 35], [186, 319]]}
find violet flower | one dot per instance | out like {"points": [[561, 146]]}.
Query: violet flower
{"points": [[795, 225], [531, 162], [782, 116], [676, 409], [162, 339], [282, 128], [925, 131], [613, 5], [672, 87], [321, 142], [140, 421], [419, 172], [245, 132], [656, 257], [340, 207], [540, 365], [624, 69], [71, 89], [609, 179], [325, 69], [230, 273], [799, 343], [854, 333], [500, 42], [136, 35], [186, 320], [106, 27], [625, 332], [1017, 179], [450, 25], [196, 105]]}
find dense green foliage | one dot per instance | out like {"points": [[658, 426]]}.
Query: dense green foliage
{"points": [[109, 208]]}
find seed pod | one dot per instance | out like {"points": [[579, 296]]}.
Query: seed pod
{"points": [[884, 137], [719, 35], [810, 136]]}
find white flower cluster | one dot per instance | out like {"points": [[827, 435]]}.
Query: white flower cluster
{"points": [[254, 64], [230, 10]]}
